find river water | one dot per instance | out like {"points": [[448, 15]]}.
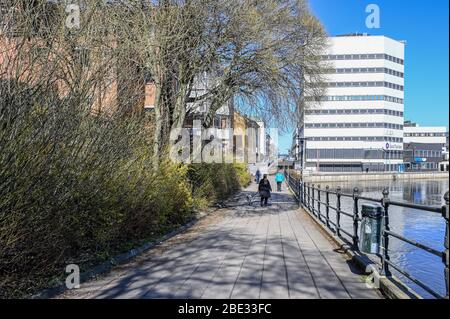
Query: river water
{"points": [[424, 227]]}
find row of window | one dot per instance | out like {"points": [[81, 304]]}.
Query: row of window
{"points": [[352, 154], [355, 125], [357, 138], [355, 111], [422, 166], [424, 153], [366, 70], [333, 57], [343, 168], [386, 98], [425, 134], [365, 84]]}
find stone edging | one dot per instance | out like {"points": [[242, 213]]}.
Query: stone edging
{"points": [[106, 266], [117, 260], [352, 177]]}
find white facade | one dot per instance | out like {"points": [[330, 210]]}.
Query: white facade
{"points": [[358, 126], [425, 134], [261, 140], [203, 84]]}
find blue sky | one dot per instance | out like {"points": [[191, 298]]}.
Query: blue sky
{"points": [[424, 25]]}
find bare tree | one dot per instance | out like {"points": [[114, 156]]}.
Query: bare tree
{"points": [[263, 55], [75, 166], [76, 169]]}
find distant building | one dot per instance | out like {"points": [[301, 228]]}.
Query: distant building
{"points": [[444, 164], [246, 137], [358, 124], [261, 146], [424, 147]]}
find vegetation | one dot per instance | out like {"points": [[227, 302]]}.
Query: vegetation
{"points": [[83, 171]]}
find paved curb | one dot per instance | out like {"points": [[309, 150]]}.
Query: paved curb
{"points": [[391, 287], [106, 266]]}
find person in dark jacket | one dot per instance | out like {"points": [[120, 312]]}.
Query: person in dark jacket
{"points": [[264, 190], [258, 176]]}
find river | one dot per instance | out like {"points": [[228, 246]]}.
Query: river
{"points": [[424, 227]]}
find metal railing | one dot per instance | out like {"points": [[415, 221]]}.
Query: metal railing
{"points": [[317, 201]]}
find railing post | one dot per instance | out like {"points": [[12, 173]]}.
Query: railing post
{"points": [[445, 212], [309, 197], [318, 202], [355, 218], [338, 211], [299, 192], [304, 194], [327, 208], [313, 200], [385, 256]]}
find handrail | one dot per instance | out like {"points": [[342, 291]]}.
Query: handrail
{"points": [[310, 198]]}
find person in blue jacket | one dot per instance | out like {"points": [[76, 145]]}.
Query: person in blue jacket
{"points": [[279, 178]]}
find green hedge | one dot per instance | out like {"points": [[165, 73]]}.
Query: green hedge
{"points": [[79, 188], [216, 182]]}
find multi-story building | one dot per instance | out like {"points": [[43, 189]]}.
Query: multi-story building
{"points": [[358, 124], [425, 147], [107, 89]]}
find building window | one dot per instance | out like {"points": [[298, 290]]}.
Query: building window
{"points": [[356, 111], [363, 57], [366, 84], [359, 98]]}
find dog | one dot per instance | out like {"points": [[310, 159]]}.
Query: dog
{"points": [[251, 197]]}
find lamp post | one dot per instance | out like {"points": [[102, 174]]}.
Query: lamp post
{"points": [[302, 147], [385, 151]]}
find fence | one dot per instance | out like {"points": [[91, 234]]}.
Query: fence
{"points": [[317, 201]]}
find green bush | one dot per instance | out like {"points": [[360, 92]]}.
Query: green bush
{"points": [[76, 187], [79, 188], [216, 182]]}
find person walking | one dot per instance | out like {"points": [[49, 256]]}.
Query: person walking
{"points": [[264, 189], [258, 176], [279, 178]]}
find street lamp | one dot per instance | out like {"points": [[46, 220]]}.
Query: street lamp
{"points": [[385, 151], [302, 149]]}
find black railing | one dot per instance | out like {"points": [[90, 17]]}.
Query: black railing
{"points": [[310, 197]]}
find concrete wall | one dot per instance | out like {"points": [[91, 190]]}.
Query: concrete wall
{"points": [[349, 177]]}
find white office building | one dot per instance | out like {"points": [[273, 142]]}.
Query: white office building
{"points": [[358, 125], [413, 133]]}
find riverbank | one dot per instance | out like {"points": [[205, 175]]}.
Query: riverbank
{"points": [[351, 177]]}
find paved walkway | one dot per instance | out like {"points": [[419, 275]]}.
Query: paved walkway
{"points": [[242, 251]]}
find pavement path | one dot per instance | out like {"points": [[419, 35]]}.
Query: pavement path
{"points": [[242, 251]]}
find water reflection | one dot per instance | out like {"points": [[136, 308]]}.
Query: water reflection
{"points": [[424, 227]]}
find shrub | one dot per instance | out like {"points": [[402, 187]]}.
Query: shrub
{"points": [[215, 182], [77, 187]]}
